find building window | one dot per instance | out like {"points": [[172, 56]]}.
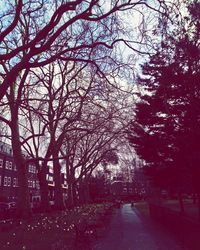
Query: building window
{"points": [[14, 167], [32, 169], [1, 163], [37, 185], [10, 165], [29, 168], [51, 170], [0, 180], [14, 182], [9, 181], [50, 178], [33, 184], [30, 183], [5, 183], [7, 164]]}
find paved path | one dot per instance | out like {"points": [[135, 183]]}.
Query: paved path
{"points": [[128, 231]]}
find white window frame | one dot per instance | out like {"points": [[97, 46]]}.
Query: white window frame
{"points": [[1, 163], [37, 184], [50, 178], [5, 181], [10, 165], [14, 167], [31, 169], [9, 181], [30, 183], [51, 170], [7, 165], [14, 182], [34, 169]]}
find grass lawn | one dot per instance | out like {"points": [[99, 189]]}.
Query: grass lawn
{"points": [[191, 209], [142, 207], [50, 232]]}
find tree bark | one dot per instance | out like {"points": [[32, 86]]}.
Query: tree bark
{"points": [[198, 195], [44, 191], [182, 210], [70, 184], [69, 196], [59, 201], [24, 205], [75, 199]]}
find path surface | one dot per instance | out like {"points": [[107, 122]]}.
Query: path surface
{"points": [[129, 231]]}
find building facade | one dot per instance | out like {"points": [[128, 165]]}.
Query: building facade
{"points": [[9, 184]]}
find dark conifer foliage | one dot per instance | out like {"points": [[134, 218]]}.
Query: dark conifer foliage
{"points": [[166, 129]]}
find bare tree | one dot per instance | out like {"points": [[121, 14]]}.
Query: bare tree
{"points": [[105, 120], [65, 87], [37, 33]]}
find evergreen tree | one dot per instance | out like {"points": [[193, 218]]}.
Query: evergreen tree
{"points": [[166, 129]]}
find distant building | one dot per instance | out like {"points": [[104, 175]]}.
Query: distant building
{"points": [[9, 183], [122, 189]]}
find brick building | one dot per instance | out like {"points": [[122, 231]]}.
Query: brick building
{"points": [[9, 184], [9, 176]]}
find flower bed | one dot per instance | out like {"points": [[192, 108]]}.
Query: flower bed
{"points": [[52, 232]]}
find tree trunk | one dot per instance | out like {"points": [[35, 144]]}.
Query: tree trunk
{"points": [[84, 191], [194, 198], [74, 194], [198, 204], [24, 205], [87, 191], [59, 201], [69, 196], [181, 202], [44, 191], [70, 184]]}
